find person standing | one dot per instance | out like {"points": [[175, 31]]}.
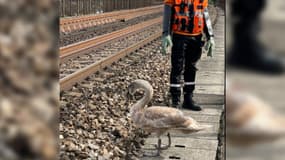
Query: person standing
{"points": [[247, 51], [184, 23]]}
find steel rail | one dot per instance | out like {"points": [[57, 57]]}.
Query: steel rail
{"points": [[75, 23], [67, 82], [104, 15], [75, 49]]}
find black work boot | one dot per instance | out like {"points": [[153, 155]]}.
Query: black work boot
{"points": [[259, 60], [189, 103], [175, 100]]}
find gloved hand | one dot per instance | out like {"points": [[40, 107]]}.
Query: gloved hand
{"points": [[210, 47], [166, 42]]}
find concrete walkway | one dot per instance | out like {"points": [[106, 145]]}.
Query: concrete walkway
{"points": [[209, 94]]}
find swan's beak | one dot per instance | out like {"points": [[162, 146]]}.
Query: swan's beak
{"points": [[130, 93], [129, 96]]}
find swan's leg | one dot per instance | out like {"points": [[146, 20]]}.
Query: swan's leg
{"points": [[159, 147], [169, 139], [169, 143]]}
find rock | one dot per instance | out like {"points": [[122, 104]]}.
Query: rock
{"points": [[61, 136]]}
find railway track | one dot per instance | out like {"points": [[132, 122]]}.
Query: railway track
{"points": [[77, 23], [90, 32], [75, 68], [78, 69], [73, 50]]}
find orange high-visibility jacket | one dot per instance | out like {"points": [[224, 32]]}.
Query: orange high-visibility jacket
{"points": [[187, 16]]}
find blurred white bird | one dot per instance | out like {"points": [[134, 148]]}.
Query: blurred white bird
{"points": [[159, 119], [249, 120]]}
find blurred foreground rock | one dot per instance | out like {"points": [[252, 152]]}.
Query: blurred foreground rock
{"points": [[28, 79]]}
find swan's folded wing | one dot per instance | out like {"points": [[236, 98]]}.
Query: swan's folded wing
{"points": [[164, 117]]}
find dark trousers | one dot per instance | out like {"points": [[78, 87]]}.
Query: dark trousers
{"points": [[246, 29], [186, 51]]}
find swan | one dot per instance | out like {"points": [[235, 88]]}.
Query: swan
{"points": [[159, 119], [249, 120]]}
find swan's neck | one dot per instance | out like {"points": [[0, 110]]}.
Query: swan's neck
{"points": [[140, 105]]}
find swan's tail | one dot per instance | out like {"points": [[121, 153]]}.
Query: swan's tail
{"points": [[205, 127], [193, 126], [196, 129]]}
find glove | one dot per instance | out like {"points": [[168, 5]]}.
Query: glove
{"points": [[166, 42], [210, 47]]}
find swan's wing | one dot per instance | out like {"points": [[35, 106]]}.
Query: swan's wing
{"points": [[264, 125], [165, 117], [241, 115], [254, 120], [246, 110]]}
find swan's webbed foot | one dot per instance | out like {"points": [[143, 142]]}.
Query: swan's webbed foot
{"points": [[159, 147], [150, 153], [153, 154]]}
